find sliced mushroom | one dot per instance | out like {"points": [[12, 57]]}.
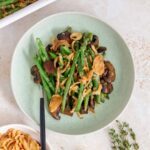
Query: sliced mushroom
{"points": [[48, 47], [95, 40], [86, 78], [49, 67], [37, 79], [64, 36], [68, 111], [57, 43], [94, 49], [98, 65], [92, 103], [109, 73], [76, 36], [54, 106], [34, 70], [83, 111], [101, 49], [55, 114], [36, 74], [107, 87]]}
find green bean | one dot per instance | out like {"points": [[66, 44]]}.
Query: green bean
{"points": [[91, 53], [88, 36], [68, 29], [52, 80], [43, 74], [14, 5], [61, 91], [97, 98], [96, 82], [77, 45], [46, 88], [7, 2], [53, 55], [66, 73], [86, 102], [42, 51], [61, 62], [8, 7], [81, 61], [80, 98], [65, 50], [8, 12], [103, 97], [62, 77], [89, 62], [86, 39], [68, 83]]}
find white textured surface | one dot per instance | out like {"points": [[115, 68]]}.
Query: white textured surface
{"points": [[131, 19]]}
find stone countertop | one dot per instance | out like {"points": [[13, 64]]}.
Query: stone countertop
{"points": [[131, 19]]}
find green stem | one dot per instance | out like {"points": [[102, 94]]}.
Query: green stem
{"points": [[7, 2], [42, 51], [44, 75], [80, 98], [81, 60], [68, 83], [53, 55], [86, 101], [46, 88], [65, 50]]}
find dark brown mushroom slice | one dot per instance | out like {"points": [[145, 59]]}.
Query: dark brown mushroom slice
{"points": [[34, 70], [109, 73], [70, 102], [68, 112], [49, 67], [92, 103], [107, 88], [36, 74], [48, 47], [106, 71], [37, 79], [55, 114], [101, 49], [83, 111], [64, 36], [95, 40], [69, 106]]}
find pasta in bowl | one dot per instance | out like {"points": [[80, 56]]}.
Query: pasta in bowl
{"points": [[19, 137]]}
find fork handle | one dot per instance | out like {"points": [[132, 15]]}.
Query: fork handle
{"points": [[42, 125]]}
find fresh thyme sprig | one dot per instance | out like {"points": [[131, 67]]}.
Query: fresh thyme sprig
{"points": [[123, 138]]}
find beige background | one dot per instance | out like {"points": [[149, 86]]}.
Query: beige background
{"points": [[132, 20]]}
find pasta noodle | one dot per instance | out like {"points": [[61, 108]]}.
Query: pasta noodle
{"points": [[17, 140]]}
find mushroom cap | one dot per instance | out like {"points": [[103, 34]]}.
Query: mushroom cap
{"points": [[98, 65], [49, 67], [109, 73], [95, 40], [36, 74], [64, 36]]}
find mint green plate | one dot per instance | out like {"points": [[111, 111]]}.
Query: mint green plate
{"points": [[27, 93]]}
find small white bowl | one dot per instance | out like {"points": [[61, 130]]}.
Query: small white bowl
{"points": [[33, 133]]}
